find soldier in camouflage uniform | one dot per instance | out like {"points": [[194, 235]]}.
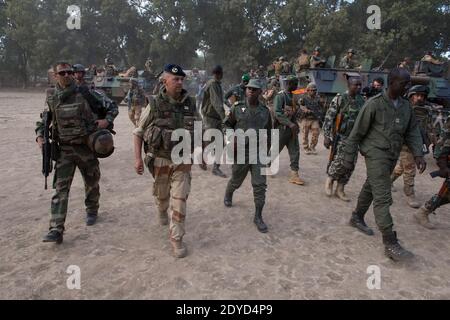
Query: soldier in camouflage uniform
{"points": [[384, 124], [316, 61], [110, 68], [286, 121], [269, 96], [249, 114], [442, 156], [170, 110], [311, 112], [406, 165], [135, 99], [73, 120], [237, 93], [348, 61], [213, 111], [347, 106]]}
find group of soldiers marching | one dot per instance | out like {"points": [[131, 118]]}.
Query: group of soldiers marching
{"points": [[383, 128]]}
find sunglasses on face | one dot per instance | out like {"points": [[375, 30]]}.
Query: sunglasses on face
{"points": [[63, 73]]}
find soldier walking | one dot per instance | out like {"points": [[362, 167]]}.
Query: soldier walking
{"points": [[384, 124], [170, 110], [311, 115], [406, 165], [338, 124], [135, 99], [75, 120], [213, 112], [249, 114], [286, 122]]}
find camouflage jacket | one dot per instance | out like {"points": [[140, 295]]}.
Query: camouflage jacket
{"points": [[101, 106], [442, 146], [381, 129], [135, 96], [314, 105], [237, 91], [349, 108]]}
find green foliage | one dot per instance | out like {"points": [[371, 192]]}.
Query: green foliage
{"points": [[238, 34]]}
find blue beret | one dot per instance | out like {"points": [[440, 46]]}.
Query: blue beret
{"points": [[175, 70]]}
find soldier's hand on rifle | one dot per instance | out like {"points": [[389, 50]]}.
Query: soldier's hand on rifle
{"points": [[40, 142], [102, 123], [139, 166], [420, 164], [327, 142]]}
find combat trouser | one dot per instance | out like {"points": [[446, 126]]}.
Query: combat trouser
{"points": [[335, 171], [239, 172], [406, 165], [307, 126], [172, 186], [70, 157], [377, 188], [292, 144]]}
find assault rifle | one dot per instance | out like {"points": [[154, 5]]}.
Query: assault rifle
{"points": [[47, 162], [436, 200]]}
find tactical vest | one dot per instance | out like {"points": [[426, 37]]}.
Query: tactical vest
{"points": [[168, 117], [349, 110], [313, 105], [74, 119]]}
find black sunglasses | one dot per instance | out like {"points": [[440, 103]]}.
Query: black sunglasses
{"points": [[63, 73]]}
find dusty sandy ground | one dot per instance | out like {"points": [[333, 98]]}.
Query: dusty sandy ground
{"points": [[309, 253]]}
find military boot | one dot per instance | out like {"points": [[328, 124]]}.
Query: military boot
{"points": [[163, 218], [393, 249], [295, 179], [228, 199], [91, 218], [412, 202], [217, 172], [357, 221], [422, 218], [329, 186], [340, 192], [179, 248], [262, 227], [54, 236]]}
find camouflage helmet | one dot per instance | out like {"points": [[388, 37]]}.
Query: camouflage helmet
{"points": [[101, 143], [351, 51], [317, 49], [418, 89], [78, 68], [281, 58]]}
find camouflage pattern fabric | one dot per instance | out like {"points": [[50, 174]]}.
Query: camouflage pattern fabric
{"points": [[406, 166]]}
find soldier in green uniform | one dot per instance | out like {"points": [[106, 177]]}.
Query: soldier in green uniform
{"points": [[286, 121], [170, 110], [311, 112], [384, 124], [442, 156], [345, 108], [75, 114], [212, 110], [249, 114], [237, 93], [135, 100], [406, 165]]}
